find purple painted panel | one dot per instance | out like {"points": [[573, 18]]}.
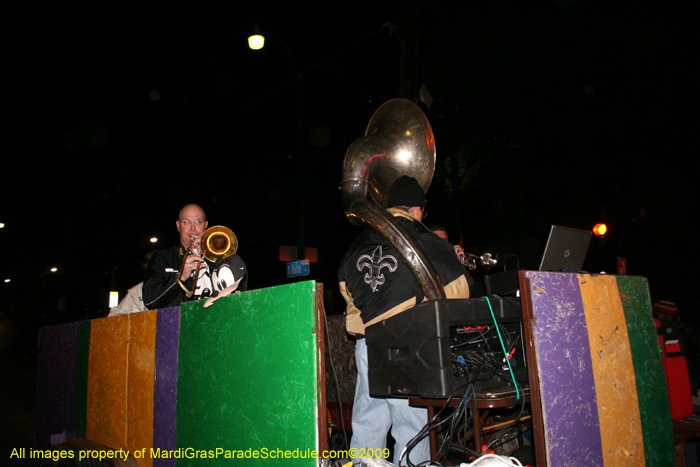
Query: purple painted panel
{"points": [[569, 404], [165, 386], [56, 379]]}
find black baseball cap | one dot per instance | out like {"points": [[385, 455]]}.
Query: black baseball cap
{"points": [[406, 192]]}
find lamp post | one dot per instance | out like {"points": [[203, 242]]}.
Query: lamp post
{"points": [[256, 42]]}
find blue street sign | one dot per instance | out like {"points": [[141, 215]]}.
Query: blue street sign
{"points": [[298, 268]]}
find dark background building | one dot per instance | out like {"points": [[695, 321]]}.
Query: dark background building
{"points": [[565, 112]]}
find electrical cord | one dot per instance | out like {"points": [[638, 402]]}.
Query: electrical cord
{"points": [[453, 421], [475, 365], [459, 421], [504, 431], [510, 368], [335, 375]]}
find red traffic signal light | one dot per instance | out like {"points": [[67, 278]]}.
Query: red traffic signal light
{"points": [[600, 229]]}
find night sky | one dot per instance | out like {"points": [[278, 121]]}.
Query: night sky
{"points": [[568, 113]]}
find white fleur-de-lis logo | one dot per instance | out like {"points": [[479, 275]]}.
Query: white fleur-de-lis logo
{"points": [[374, 264]]}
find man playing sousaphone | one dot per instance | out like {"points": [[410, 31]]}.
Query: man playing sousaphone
{"points": [[170, 278]]}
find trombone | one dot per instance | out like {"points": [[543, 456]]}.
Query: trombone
{"points": [[217, 242]]}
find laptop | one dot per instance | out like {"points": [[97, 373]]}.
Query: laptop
{"points": [[566, 249]]}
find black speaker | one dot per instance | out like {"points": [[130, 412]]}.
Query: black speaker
{"points": [[429, 350]]}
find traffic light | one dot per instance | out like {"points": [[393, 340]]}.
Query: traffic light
{"points": [[600, 229]]}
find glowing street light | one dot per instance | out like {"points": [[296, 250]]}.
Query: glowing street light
{"points": [[257, 40]]}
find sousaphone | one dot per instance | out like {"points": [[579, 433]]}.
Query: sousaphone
{"points": [[398, 141]]}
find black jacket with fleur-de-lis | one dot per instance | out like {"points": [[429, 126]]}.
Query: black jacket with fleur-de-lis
{"points": [[377, 284]]}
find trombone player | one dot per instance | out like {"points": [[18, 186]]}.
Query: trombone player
{"points": [[169, 278]]}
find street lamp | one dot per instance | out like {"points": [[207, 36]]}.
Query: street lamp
{"points": [[257, 40]]}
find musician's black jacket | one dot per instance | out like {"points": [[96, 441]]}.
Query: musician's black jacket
{"points": [[160, 287], [377, 284]]}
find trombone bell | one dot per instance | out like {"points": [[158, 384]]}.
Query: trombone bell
{"points": [[218, 242]]}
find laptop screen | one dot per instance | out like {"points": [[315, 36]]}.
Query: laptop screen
{"points": [[566, 249]]}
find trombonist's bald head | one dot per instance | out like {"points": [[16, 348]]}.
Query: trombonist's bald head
{"points": [[191, 223]]}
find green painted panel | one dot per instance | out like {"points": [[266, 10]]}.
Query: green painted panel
{"points": [[247, 377], [655, 413], [82, 379]]}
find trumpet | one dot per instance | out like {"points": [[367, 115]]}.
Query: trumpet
{"points": [[471, 262], [217, 242]]}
